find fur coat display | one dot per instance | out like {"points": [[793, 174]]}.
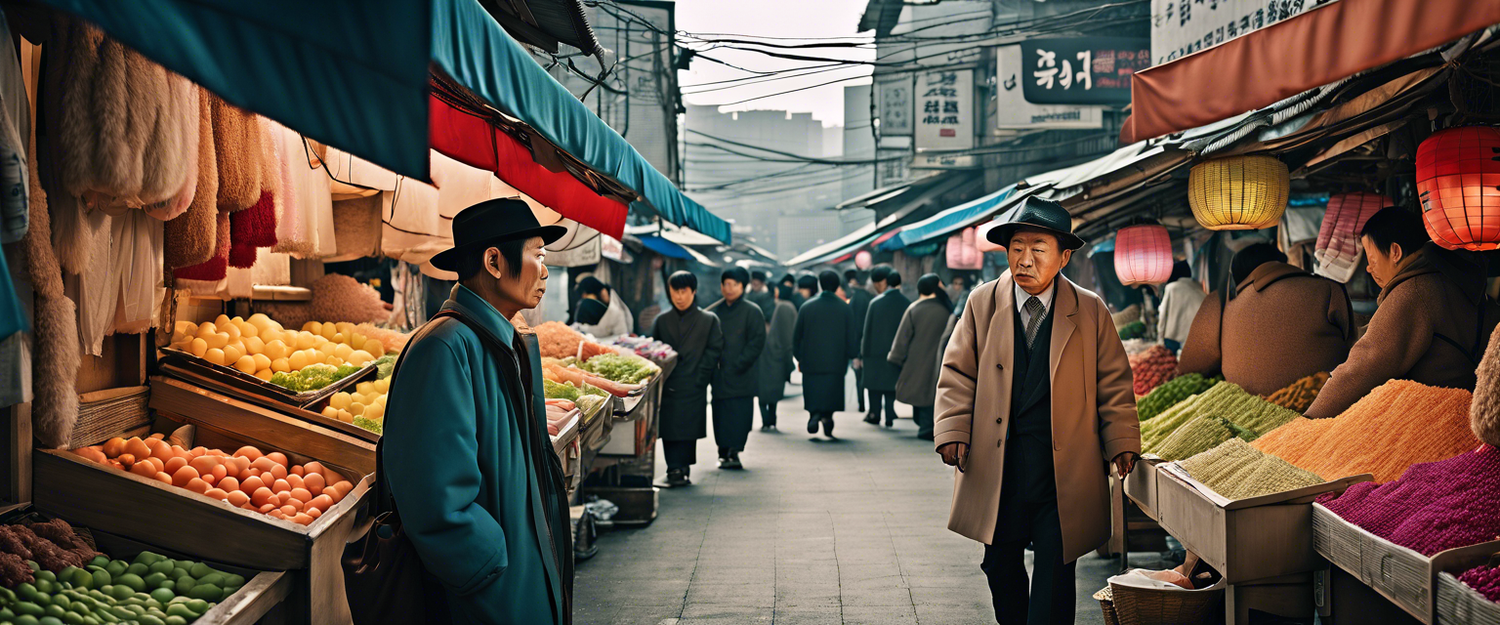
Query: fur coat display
{"points": [[1484, 413]]}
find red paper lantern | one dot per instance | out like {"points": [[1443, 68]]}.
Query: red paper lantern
{"points": [[963, 253], [1143, 255], [1338, 248], [1458, 181], [862, 260]]}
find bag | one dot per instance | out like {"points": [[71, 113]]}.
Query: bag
{"points": [[384, 578]]}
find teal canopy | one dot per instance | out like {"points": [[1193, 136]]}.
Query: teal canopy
{"points": [[956, 218], [354, 74]]}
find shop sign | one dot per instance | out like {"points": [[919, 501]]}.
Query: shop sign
{"points": [[1182, 27], [1082, 70], [1013, 112], [894, 99], [944, 116], [611, 248]]}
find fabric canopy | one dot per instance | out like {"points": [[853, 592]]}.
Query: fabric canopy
{"points": [[665, 247], [955, 218], [1321, 46], [354, 75]]}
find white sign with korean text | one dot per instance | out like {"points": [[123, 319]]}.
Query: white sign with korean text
{"points": [[1013, 112], [893, 99], [1182, 27], [944, 116]]}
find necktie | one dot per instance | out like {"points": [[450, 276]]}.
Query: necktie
{"points": [[1035, 309]]}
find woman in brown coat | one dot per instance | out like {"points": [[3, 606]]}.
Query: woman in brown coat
{"points": [[1433, 321], [1284, 324], [915, 350]]}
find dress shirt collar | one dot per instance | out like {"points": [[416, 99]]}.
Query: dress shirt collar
{"points": [[1022, 296]]}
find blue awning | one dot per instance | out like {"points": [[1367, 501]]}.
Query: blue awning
{"points": [[354, 74], [665, 247], [956, 218]]}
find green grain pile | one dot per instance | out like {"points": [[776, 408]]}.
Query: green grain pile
{"points": [[1235, 470], [1172, 393], [1251, 417]]}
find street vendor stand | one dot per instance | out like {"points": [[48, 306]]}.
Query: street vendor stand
{"points": [[624, 468]]}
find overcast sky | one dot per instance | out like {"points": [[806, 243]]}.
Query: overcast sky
{"points": [[773, 18]]}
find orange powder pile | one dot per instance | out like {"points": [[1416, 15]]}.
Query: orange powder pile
{"points": [[1399, 424]]}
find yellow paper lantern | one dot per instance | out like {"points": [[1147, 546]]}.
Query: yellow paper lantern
{"points": [[1239, 192]]}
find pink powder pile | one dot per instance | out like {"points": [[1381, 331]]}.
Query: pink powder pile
{"points": [[1433, 507], [1485, 579]]}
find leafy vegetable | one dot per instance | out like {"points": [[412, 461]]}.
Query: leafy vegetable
{"points": [[385, 366], [373, 426], [566, 390], [1171, 393], [621, 368], [312, 377], [1132, 330]]}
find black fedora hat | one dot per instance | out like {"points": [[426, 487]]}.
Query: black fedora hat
{"points": [[1041, 214], [490, 222]]}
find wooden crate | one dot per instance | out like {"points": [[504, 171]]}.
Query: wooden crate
{"points": [[312, 413], [263, 590], [1457, 603], [1248, 539], [330, 441], [1405, 577], [1140, 485]]}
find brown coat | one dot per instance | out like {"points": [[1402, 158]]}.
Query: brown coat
{"points": [[1283, 325], [1435, 294], [915, 350], [1093, 409]]}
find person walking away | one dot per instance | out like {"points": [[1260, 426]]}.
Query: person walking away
{"points": [[807, 287], [915, 350], [797, 299], [735, 382], [824, 341], [1284, 324], [880, 326], [615, 320], [1039, 445], [1433, 319], [698, 340], [959, 303], [774, 367], [480, 493], [759, 295], [877, 278], [1180, 300], [859, 304]]}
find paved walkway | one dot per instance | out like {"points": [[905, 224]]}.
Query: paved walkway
{"points": [[813, 531]]}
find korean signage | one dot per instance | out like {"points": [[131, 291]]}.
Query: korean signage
{"points": [[1013, 112], [944, 115], [893, 97], [1082, 70], [1182, 27]]}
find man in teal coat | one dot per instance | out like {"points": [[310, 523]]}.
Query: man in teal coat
{"points": [[468, 464]]}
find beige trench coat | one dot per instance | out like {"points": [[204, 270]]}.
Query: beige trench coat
{"points": [[1093, 409]]}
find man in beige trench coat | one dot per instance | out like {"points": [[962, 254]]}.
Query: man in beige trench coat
{"points": [[1034, 402]]}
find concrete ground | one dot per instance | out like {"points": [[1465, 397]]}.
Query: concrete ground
{"points": [[812, 531]]}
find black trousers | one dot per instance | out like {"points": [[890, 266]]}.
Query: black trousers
{"points": [[680, 454], [767, 412], [886, 397], [1053, 587], [859, 387], [923, 416]]}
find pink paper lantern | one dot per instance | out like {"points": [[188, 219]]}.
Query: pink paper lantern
{"points": [[963, 253], [1338, 247], [982, 238], [862, 260], [1143, 255], [1458, 181]]}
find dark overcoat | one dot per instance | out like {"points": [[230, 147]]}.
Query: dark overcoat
{"points": [[825, 338], [764, 299], [916, 351], [880, 327], [775, 364], [696, 336], [859, 304], [744, 329]]}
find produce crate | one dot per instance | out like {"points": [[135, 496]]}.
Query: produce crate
{"points": [[101, 413], [1399, 574], [1456, 602], [312, 435], [1140, 485], [262, 592], [201, 527], [239, 384], [1245, 540]]}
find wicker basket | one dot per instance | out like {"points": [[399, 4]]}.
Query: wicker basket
{"points": [[1106, 599], [1151, 606]]}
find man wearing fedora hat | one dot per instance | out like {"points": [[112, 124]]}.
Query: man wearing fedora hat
{"points": [[1034, 403], [469, 466]]}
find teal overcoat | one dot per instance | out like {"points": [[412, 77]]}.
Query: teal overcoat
{"points": [[483, 518]]}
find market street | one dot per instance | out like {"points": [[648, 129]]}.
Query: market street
{"points": [[847, 531]]}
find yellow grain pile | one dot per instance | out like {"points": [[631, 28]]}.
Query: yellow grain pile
{"points": [[1399, 424], [1300, 394], [1235, 470]]}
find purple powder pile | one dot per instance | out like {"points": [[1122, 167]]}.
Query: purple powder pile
{"points": [[1485, 579], [1433, 507]]}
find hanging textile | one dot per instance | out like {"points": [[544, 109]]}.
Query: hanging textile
{"points": [[15, 125], [304, 228]]}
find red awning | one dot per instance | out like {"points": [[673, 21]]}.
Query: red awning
{"points": [[470, 139], [1311, 50]]}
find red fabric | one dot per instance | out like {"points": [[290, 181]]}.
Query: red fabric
{"points": [[1311, 50], [471, 140], [1458, 181], [252, 228], [213, 269]]}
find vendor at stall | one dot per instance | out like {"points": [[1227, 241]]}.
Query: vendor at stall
{"points": [[601, 312], [1180, 300], [1283, 324], [1433, 321]]}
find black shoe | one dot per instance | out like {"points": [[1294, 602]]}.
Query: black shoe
{"points": [[677, 478], [872, 419], [828, 427], [812, 424], [890, 422], [925, 436], [732, 462]]}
